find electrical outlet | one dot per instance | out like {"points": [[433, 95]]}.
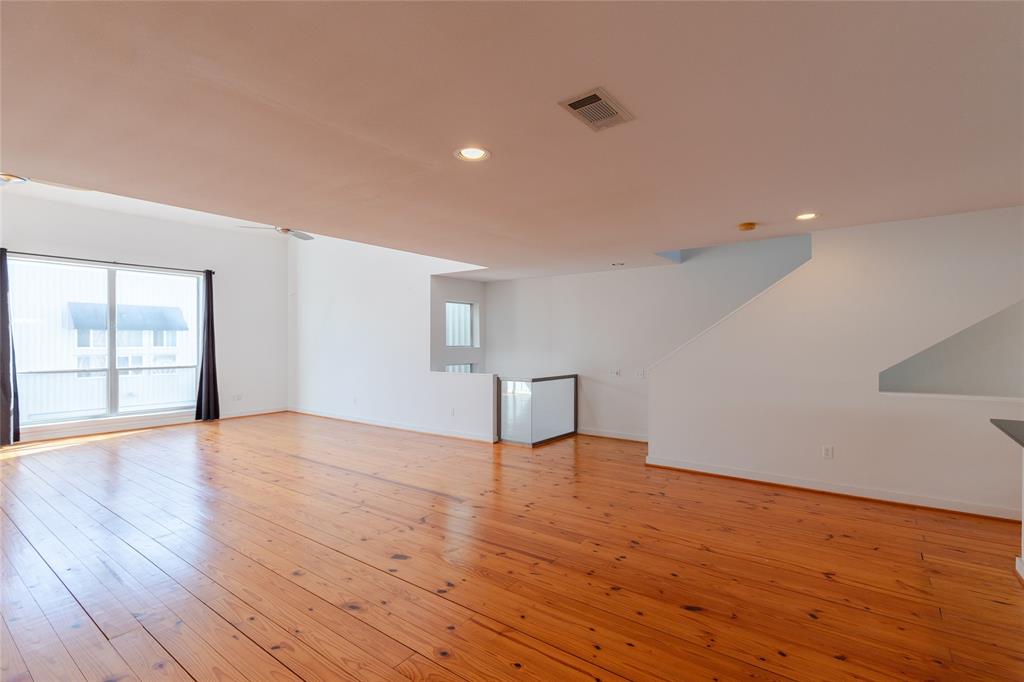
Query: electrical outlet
{"points": [[828, 451], [236, 397]]}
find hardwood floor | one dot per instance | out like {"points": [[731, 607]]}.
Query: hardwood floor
{"points": [[287, 547]]}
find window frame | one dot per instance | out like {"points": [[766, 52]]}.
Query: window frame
{"points": [[109, 336]]}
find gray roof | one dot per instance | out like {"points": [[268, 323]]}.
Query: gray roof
{"points": [[94, 316]]}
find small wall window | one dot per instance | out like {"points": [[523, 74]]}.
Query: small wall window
{"points": [[92, 338], [461, 368], [165, 338], [125, 361], [458, 324]]}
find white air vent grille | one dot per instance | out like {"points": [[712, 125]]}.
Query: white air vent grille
{"points": [[597, 109]]}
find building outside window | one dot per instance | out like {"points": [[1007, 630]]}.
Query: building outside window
{"points": [[91, 338], [165, 338], [127, 338]]}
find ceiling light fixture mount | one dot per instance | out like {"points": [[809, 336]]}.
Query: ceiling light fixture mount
{"points": [[807, 216], [617, 265], [472, 154], [11, 179], [747, 227]]}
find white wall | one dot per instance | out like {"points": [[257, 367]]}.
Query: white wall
{"points": [[625, 320], [360, 342], [442, 290], [759, 394], [249, 286]]}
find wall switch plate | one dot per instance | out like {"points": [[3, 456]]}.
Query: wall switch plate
{"points": [[828, 451]]}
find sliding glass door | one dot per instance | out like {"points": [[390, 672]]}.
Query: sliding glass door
{"points": [[157, 340], [76, 360], [62, 370]]}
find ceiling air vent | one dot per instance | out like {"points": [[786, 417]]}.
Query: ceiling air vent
{"points": [[597, 109]]}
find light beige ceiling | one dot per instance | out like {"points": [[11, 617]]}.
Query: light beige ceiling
{"points": [[341, 118]]}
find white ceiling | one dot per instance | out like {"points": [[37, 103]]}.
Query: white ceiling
{"points": [[341, 118]]}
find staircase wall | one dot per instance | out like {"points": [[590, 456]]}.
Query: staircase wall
{"points": [[796, 369]]}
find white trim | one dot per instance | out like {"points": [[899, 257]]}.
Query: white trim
{"points": [[251, 413], [1020, 567], [952, 396], [486, 438], [621, 435], [859, 491]]}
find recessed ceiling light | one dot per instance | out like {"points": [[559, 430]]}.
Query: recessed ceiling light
{"points": [[472, 153], [747, 227], [9, 179], [807, 216]]}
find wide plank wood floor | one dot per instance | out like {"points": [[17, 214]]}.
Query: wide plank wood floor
{"points": [[291, 547]]}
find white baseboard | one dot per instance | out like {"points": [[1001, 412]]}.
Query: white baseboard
{"points": [[858, 491], [467, 435], [252, 413], [622, 435]]}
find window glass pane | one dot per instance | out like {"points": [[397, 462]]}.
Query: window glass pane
{"points": [[458, 324], [54, 308], [166, 306], [59, 396], [56, 311], [148, 390], [461, 368]]}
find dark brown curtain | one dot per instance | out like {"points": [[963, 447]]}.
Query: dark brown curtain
{"points": [[208, 401], [10, 418]]}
